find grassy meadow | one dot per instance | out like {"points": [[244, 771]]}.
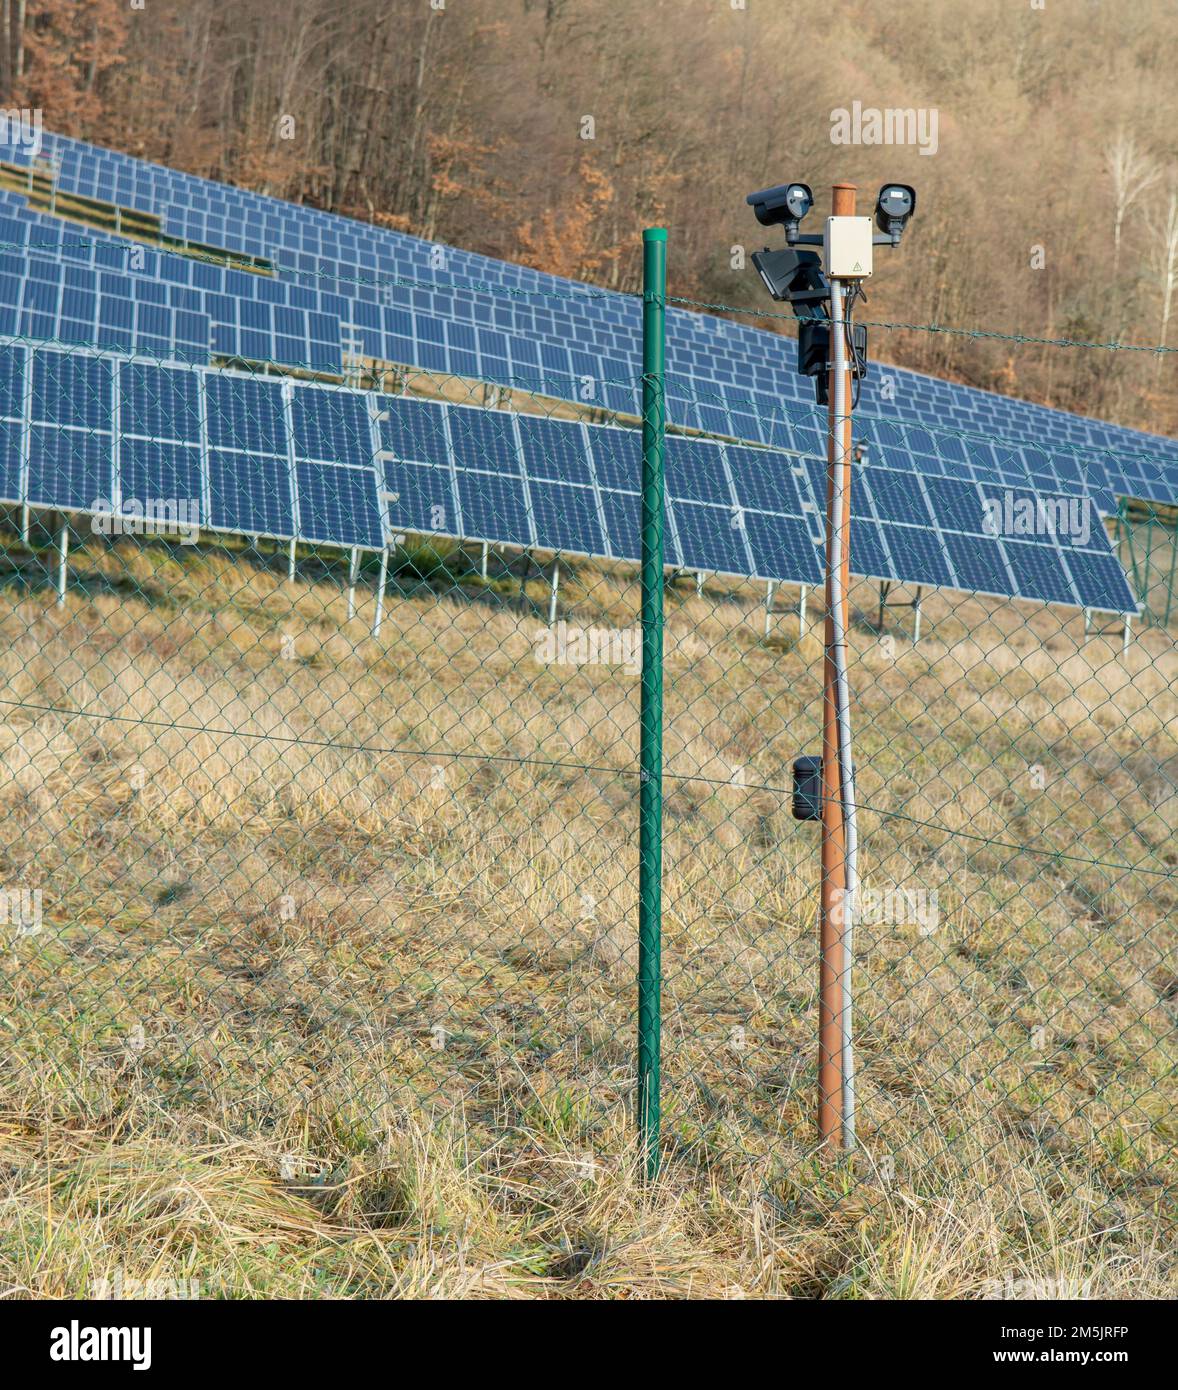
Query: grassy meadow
{"points": [[331, 991]]}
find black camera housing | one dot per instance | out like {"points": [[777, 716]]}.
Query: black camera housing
{"points": [[785, 204]]}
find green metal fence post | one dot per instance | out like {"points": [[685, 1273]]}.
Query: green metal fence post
{"points": [[650, 794]]}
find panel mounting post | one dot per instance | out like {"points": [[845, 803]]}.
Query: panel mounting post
{"points": [[555, 588], [63, 549], [353, 567], [380, 586]]}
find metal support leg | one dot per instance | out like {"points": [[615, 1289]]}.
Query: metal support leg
{"points": [[353, 569], [884, 588], [290, 563], [62, 552], [916, 611], [483, 566], [1087, 621], [553, 592], [802, 596], [699, 583], [384, 574], [1125, 640], [24, 525], [768, 606]]}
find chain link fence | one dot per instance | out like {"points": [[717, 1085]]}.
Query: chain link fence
{"points": [[299, 833]]}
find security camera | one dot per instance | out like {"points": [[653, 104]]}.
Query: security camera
{"points": [[788, 203], [894, 206], [796, 276]]}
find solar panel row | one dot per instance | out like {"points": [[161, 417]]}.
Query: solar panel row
{"points": [[86, 287], [564, 485], [525, 337], [90, 433], [265, 456]]}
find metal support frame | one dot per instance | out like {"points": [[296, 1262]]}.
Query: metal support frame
{"points": [[554, 589], [353, 568], [380, 587], [1123, 630], [63, 549], [803, 594], [290, 564], [483, 563], [885, 588]]}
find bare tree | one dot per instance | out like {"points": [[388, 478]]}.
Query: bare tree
{"points": [[1132, 172], [1161, 223]]}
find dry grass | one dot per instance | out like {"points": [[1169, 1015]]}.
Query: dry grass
{"points": [[334, 990]]}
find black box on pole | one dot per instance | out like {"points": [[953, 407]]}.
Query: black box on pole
{"points": [[807, 804]]}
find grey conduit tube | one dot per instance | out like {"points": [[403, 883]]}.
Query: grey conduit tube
{"points": [[838, 338]]}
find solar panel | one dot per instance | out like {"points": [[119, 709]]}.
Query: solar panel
{"points": [[764, 480], [159, 402], [1038, 573], [339, 505], [696, 472], [617, 459], [782, 547], [712, 538], [554, 449], [331, 426], [246, 413], [894, 497], [917, 556], [250, 495], [623, 524], [483, 439], [249, 464], [979, 564], [162, 473], [266, 457], [1100, 581], [71, 389], [567, 517], [424, 498], [494, 508], [413, 429], [11, 460], [70, 469]]}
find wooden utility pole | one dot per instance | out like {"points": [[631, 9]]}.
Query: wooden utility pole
{"points": [[833, 982]]}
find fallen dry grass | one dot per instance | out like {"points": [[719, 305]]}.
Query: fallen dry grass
{"points": [[333, 993]]}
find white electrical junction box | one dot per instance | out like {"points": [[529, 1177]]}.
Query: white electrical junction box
{"points": [[848, 247]]}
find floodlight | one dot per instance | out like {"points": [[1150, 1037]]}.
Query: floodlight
{"points": [[796, 276], [894, 206]]}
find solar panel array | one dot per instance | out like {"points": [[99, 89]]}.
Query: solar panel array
{"points": [[336, 291], [733, 509], [266, 456], [97, 434]]}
